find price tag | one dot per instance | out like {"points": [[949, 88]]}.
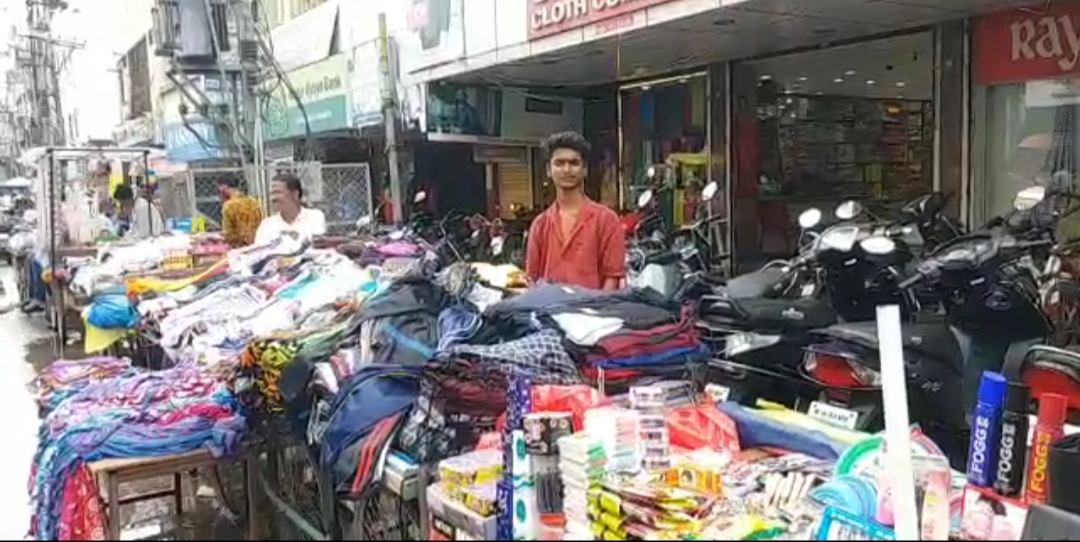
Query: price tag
{"points": [[717, 393], [834, 415]]}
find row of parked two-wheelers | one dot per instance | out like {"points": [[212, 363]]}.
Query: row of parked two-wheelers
{"points": [[802, 332]]}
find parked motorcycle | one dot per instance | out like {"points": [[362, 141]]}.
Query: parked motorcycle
{"points": [[665, 263], [992, 305]]}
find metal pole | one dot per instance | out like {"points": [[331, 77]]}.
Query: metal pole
{"points": [[390, 117]]}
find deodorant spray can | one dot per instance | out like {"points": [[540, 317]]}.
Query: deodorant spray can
{"points": [[982, 457], [1012, 451]]}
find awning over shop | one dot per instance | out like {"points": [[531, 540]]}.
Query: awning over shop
{"points": [[307, 38], [17, 182]]}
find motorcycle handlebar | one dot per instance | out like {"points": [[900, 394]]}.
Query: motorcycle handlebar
{"points": [[912, 281]]}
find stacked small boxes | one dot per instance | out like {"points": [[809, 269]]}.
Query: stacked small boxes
{"points": [[470, 479], [650, 402], [512, 490], [583, 465], [618, 431], [543, 432]]}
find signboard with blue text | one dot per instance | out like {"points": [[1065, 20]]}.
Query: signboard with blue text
{"points": [[181, 145], [322, 89]]}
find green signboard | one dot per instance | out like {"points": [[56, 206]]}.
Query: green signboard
{"points": [[323, 90]]}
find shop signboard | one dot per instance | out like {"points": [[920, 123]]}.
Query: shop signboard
{"points": [[323, 89], [550, 17], [1022, 45], [434, 34], [366, 86], [181, 145]]}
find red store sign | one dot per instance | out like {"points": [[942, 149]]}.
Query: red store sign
{"points": [[550, 17], [1039, 43]]}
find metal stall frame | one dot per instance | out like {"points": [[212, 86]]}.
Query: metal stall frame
{"points": [[47, 161]]}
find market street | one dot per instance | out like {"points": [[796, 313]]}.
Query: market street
{"points": [[18, 336]]}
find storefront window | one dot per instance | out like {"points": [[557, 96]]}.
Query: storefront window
{"points": [[1030, 135], [665, 144], [817, 128]]}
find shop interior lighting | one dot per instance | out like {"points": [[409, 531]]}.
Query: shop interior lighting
{"points": [[901, 84], [849, 72], [838, 80], [766, 77], [870, 81], [804, 79]]}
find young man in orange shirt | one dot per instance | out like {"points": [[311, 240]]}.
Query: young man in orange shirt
{"points": [[575, 241]]}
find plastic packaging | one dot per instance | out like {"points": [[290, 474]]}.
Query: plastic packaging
{"points": [[982, 458], [1012, 452], [1050, 427]]}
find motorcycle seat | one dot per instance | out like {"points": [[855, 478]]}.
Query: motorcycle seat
{"points": [[1062, 360], [931, 339], [754, 284], [783, 314]]}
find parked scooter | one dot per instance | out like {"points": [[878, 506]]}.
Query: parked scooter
{"points": [[665, 263], [991, 301]]}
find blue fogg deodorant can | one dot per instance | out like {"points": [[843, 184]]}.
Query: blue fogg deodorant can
{"points": [[982, 456]]}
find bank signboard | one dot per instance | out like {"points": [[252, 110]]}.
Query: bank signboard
{"points": [[322, 88], [550, 17], [1028, 44]]}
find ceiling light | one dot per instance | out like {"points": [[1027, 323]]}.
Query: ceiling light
{"points": [[849, 72], [838, 80], [790, 100], [870, 81], [803, 79], [819, 93], [766, 77], [684, 80], [646, 87], [901, 84]]}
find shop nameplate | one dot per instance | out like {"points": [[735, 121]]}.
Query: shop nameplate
{"points": [[1023, 45], [550, 17]]}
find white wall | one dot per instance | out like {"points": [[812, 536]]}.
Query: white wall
{"points": [[520, 124]]}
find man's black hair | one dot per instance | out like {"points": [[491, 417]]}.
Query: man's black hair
{"points": [[568, 140], [229, 181], [292, 182], [124, 192]]}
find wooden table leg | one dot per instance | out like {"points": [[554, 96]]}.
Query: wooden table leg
{"points": [[251, 491], [113, 494], [178, 486]]}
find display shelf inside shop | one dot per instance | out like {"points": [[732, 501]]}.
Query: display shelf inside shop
{"points": [[821, 148]]}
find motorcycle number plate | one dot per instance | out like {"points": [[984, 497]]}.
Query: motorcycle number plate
{"points": [[834, 415]]}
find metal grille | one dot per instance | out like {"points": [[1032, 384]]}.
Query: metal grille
{"points": [[341, 191]]}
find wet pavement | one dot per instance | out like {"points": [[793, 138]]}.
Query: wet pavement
{"points": [[26, 345]]}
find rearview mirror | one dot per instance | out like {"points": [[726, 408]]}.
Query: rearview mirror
{"points": [[1029, 197], [809, 218], [420, 197], [709, 191], [644, 199], [848, 210]]}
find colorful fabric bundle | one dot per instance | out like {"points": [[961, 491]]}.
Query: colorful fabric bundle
{"points": [[136, 415], [264, 361], [65, 378]]}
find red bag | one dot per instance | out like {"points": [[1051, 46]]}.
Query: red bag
{"points": [[702, 426], [573, 399]]}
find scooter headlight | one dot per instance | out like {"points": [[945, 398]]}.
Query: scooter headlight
{"points": [[742, 342]]}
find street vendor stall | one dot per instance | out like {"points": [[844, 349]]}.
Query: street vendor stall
{"points": [[68, 196]]}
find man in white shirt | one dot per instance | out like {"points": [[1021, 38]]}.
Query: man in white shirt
{"points": [[292, 218], [144, 219]]}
